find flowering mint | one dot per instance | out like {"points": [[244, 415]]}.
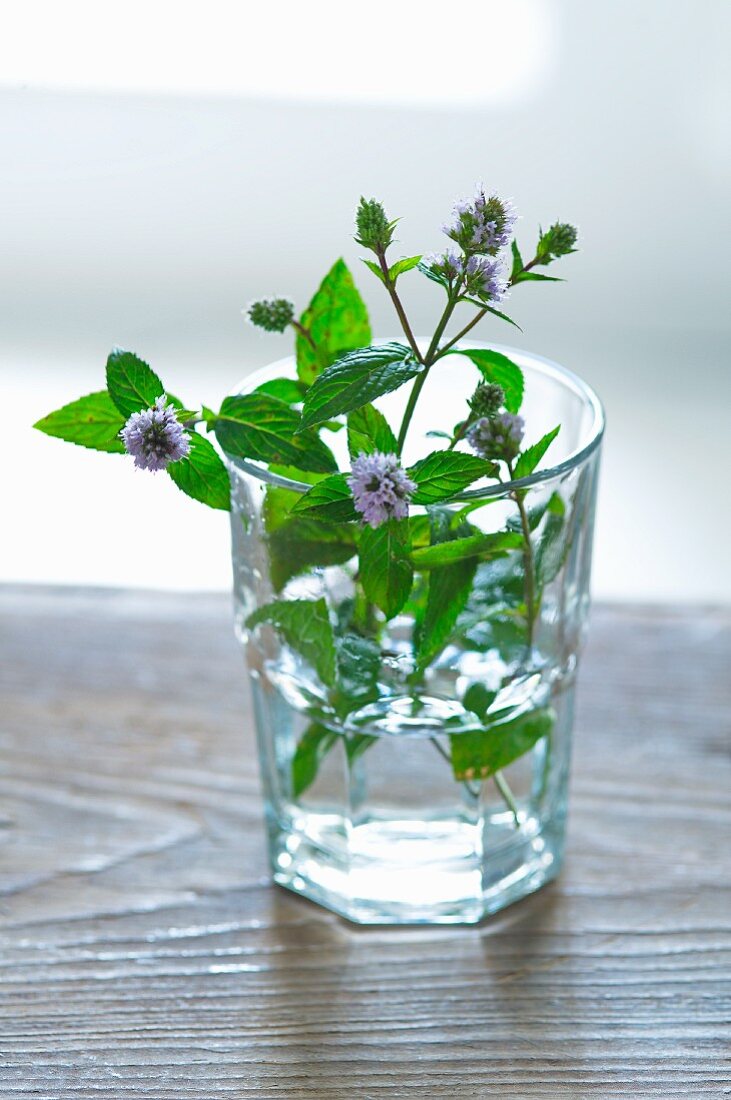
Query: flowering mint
{"points": [[497, 437], [271, 314], [155, 437], [381, 488], [483, 226]]}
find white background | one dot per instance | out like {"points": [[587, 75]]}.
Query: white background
{"points": [[164, 163]]}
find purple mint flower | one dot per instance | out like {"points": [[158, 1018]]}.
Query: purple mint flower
{"points": [[380, 487], [484, 225], [486, 278], [447, 263], [497, 437], [155, 437]]}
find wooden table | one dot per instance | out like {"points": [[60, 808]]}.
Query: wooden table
{"points": [[145, 954]]}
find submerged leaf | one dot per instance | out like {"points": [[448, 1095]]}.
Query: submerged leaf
{"points": [[479, 754], [312, 747], [305, 626]]}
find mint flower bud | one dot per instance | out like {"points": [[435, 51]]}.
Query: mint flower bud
{"points": [[155, 437], [271, 314], [497, 437], [559, 240], [487, 399], [483, 226], [381, 488], [375, 231]]}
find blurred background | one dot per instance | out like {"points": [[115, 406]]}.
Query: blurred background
{"points": [[163, 163]]}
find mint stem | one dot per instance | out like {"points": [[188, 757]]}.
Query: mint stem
{"points": [[478, 317], [390, 285], [305, 333], [474, 791], [502, 785], [529, 580], [429, 359]]}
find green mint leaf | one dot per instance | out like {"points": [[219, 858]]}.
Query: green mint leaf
{"points": [[369, 431], [202, 474], [337, 320], [402, 266], [492, 310], [305, 626], [552, 549], [480, 545], [258, 426], [517, 261], [312, 748], [494, 616], [298, 544], [529, 459], [376, 269], [478, 698], [132, 385], [284, 389], [278, 503], [385, 570], [443, 473], [479, 754], [359, 666], [357, 378], [419, 531], [93, 421], [449, 589], [357, 743], [183, 415], [535, 277], [496, 367], [435, 277], [330, 499]]}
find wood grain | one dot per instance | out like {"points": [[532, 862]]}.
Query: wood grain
{"points": [[145, 954]]}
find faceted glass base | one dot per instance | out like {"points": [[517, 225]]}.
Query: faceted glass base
{"points": [[429, 872]]}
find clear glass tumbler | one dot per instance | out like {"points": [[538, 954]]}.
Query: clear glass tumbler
{"points": [[369, 812]]}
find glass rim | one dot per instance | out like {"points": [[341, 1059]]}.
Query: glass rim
{"points": [[546, 366]]}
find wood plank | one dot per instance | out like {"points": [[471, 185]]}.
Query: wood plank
{"points": [[143, 952]]}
